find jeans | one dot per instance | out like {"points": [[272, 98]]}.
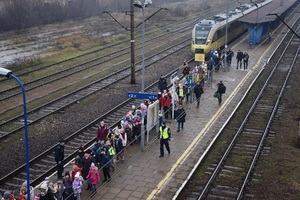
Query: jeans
{"points": [[94, 188], [179, 125]]}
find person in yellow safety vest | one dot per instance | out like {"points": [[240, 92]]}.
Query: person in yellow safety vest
{"points": [[111, 152], [180, 92], [165, 136]]}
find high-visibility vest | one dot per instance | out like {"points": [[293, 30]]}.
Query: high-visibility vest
{"points": [[164, 134], [181, 91], [111, 151]]}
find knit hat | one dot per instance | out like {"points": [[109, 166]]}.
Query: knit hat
{"points": [[89, 151], [67, 174], [44, 186], [81, 148], [77, 175], [6, 195], [92, 165], [24, 184]]}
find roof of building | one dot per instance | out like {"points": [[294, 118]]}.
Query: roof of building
{"points": [[275, 7]]}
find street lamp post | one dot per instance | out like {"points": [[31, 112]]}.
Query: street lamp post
{"points": [[138, 4], [8, 73]]}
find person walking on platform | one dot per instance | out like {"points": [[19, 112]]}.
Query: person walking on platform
{"points": [[245, 58], [239, 58], [198, 90], [165, 136], [59, 158], [180, 117], [229, 55], [221, 90], [162, 84]]}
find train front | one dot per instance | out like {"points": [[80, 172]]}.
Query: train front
{"points": [[200, 41]]}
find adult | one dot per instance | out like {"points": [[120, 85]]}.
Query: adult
{"points": [[186, 68], [245, 59], [162, 84], [105, 163], [239, 58], [45, 192], [102, 132], [87, 160], [221, 90], [198, 90], [229, 55], [59, 158], [165, 136], [180, 117], [180, 92], [166, 103]]}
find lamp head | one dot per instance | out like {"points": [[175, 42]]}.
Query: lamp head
{"points": [[5, 72], [138, 4], [148, 2]]}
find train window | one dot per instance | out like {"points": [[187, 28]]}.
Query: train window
{"points": [[220, 33], [201, 34]]}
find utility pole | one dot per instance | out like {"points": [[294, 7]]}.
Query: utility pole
{"points": [[131, 29], [132, 80]]}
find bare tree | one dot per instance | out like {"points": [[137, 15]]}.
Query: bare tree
{"points": [[19, 11]]}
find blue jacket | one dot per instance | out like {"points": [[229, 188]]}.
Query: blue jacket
{"points": [[105, 158]]}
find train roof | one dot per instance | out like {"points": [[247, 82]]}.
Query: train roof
{"points": [[276, 6], [232, 15]]}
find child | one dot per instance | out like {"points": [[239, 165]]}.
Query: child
{"points": [[94, 177], [77, 185]]}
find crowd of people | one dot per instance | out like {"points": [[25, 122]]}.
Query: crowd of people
{"points": [[110, 144]]}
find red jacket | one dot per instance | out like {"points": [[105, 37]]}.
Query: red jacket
{"points": [[75, 169], [165, 101], [102, 133]]}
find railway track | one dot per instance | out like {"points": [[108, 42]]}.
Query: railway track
{"points": [[15, 178], [14, 123], [228, 173], [44, 164]]}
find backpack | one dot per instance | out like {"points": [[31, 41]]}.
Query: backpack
{"points": [[222, 89]]}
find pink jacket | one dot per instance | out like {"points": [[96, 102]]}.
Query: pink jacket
{"points": [[94, 175]]}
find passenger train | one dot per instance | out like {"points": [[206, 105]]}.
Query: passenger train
{"points": [[211, 33]]}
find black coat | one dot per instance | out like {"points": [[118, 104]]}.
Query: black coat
{"points": [[59, 153], [86, 164], [180, 115], [198, 90]]}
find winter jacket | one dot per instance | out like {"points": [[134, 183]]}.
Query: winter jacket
{"points": [[165, 101], [105, 158], [86, 164], [77, 186], [94, 175], [102, 133], [59, 153], [180, 115]]}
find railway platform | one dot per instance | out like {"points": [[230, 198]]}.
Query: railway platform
{"points": [[148, 176], [145, 175]]}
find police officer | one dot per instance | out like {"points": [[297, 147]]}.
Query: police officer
{"points": [[59, 157], [164, 135]]}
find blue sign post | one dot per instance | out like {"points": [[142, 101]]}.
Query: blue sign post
{"points": [[137, 95]]}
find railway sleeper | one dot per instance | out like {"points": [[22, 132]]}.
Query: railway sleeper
{"points": [[48, 161], [12, 184], [213, 196], [40, 165]]}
